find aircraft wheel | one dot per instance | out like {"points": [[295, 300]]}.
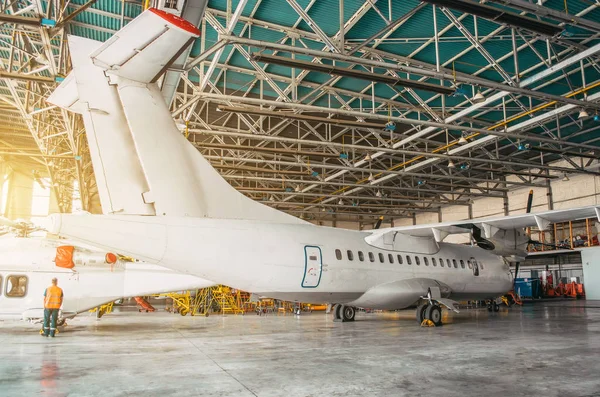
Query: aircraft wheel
{"points": [[60, 322], [496, 306], [348, 313], [421, 312], [489, 307], [434, 313], [184, 312], [337, 312]]}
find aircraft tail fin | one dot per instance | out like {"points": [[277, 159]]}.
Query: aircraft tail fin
{"points": [[125, 113]]}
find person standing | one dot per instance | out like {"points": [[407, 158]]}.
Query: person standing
{"points": [[53, 298]]}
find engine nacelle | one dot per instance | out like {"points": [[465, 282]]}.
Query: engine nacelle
{"points": [[505, 243]]}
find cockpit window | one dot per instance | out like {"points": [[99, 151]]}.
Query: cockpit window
{"points": [[16, 286]]}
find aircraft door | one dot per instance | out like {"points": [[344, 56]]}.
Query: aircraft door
{"points": [[313, 266], [475, 267]]}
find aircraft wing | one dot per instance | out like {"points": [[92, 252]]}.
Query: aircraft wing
{"points": [[541, 219], [145, 47]]}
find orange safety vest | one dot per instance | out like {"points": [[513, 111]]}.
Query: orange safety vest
{"points": [[54, 297]]}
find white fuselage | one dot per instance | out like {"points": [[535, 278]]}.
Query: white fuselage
{"points": [[87, 285], [294, 261]]}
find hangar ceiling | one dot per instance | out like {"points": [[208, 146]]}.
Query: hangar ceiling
{"points": [[337, 109]]}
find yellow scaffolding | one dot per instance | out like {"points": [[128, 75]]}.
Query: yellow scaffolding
{"points": [[102, 310], [182, 301]]}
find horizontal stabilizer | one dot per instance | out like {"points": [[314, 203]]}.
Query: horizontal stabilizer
{"points": [[144, 49], [66, 95]]}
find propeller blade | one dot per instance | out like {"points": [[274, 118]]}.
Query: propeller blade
{"points": [[378, 224], [529, 202]]}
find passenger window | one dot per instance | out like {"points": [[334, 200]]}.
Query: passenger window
{"points": [[454, 263], [417, 261], [441, 262], [426, 261], [371, 257], [469, 264], [350, 255], [408, 261], [462, 264], [0, 285], [399, 259], [480, 265], [448, 263], [381, 258], [391, 258], [433, 262], [16, 286], [338, 255], [361, 256]]}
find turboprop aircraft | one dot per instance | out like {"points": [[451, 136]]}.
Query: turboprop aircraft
{"points": [[88, 277], [166, 204]]}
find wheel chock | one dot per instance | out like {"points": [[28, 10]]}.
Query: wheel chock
{"points": [[427, 323]]}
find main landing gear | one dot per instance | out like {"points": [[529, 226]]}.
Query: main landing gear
{"points": [[343, 313], [429, 313], [493, 306]]}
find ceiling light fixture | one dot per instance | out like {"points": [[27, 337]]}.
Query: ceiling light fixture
{"points": [[368, 157], [451, 164], [378, 194], [462, 140], [583, 114], [371, 178], [565, 178], [478, 98]]}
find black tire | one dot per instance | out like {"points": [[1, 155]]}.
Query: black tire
{"points": [[337, 312], [348, 313], [434, 313], [496, 307], [489, 307], [421, 312]]}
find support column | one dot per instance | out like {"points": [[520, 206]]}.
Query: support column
{"points": [[20, 195]]}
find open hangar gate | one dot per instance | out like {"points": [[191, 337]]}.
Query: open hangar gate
{"points": [[352, 114]]}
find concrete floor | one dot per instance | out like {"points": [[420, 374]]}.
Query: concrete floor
{"points": [[546, 349]]}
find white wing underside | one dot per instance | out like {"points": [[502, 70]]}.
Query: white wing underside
{"points": [[541, 219]]}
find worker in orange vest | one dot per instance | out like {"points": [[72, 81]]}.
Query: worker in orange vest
{"points": [[53, 298]]}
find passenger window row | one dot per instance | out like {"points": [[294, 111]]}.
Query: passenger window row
{"points": [[408, 259]]}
